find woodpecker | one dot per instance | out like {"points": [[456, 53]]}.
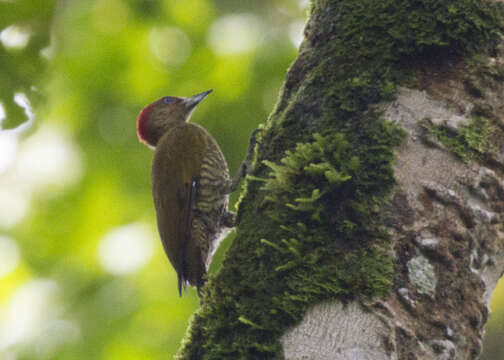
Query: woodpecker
{"points": [[190, 185]]}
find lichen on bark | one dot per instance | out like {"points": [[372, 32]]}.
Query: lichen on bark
{"points": [[309, 226]]}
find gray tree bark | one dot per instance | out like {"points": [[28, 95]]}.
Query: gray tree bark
{"points": [[447, 225], [448, 237]]}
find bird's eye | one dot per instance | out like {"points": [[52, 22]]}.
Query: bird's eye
{"points": [[168, 100]]}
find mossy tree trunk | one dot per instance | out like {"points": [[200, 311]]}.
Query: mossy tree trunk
{"points": [[372, 227]]}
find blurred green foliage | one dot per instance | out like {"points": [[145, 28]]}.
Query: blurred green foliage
{"points": [[21, 70], [88, 68]]}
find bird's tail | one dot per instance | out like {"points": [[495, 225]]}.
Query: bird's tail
{"points": [[182, 284]]}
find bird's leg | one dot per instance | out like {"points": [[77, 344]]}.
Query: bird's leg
{"points": [[226, 220], [207, 220], [245, 167]]}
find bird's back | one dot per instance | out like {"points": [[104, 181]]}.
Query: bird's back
{"points": [[187, 169]]}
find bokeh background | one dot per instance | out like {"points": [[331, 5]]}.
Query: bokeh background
{"points": [[82, 272]]}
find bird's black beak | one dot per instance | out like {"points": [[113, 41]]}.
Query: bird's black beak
{"points": [[192, 101]]}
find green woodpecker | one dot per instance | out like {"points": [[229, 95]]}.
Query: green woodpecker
{"points": [[190, 185]]}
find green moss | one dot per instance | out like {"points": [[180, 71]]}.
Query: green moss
{"points": [[393, 29], [475, 141], [331, 186], [309, 223], [480, 65]]}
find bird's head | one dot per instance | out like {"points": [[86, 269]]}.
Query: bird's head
{"points": [[155, 119]]}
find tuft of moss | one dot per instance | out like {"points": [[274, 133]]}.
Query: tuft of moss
{"points": [[472, 142], [308, 225], [331, 186]]}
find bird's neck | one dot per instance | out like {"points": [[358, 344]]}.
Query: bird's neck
{"points": [[151, 131], [157, 132]]}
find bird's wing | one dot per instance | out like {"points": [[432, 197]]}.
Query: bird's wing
{"points": [[175, 175]]}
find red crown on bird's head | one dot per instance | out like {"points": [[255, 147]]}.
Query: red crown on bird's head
{"points": [[143, 125]]}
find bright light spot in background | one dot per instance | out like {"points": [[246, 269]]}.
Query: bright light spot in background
{"points": [[54, 334], [49, 158], [2, 113], [33, 317], [44, 163], [8, 146], [15, 37], [235, 34], [15, 204], [296, 34], [22, 100], [303, 4], [9, 255], [126, 249], [170, 45], [27, 311]]}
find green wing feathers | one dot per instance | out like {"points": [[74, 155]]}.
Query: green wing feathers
{"points": [[175, 175]]}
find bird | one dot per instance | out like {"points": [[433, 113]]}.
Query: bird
{"points": [[190, 185]]}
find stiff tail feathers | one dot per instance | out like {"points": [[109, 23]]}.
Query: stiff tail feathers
{"points": [[182, 284]]}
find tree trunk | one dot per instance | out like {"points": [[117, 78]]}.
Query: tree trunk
{"points": [[373, 225]]}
